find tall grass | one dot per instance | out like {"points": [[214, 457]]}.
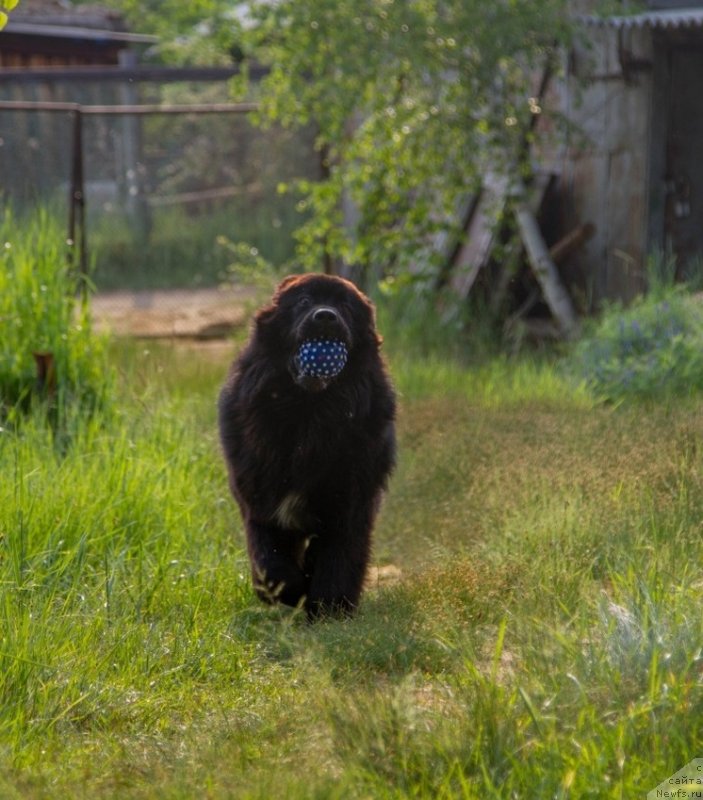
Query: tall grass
{"points": [[41, 311], [106, 561]]}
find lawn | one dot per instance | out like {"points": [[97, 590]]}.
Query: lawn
{"points": [[539, 634]]}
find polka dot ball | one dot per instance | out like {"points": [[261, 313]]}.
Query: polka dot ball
{"points": [[322, 358]]}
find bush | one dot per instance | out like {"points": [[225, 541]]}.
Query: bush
{"points": [[651, 349], [40, 312]]}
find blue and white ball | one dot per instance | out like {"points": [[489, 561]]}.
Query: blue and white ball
{"points": [[322, 358]]}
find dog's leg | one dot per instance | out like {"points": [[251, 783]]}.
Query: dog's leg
{"points": [[336, 561], [276, 563]]}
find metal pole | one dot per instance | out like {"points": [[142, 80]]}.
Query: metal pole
{"points": [[76, 211]]}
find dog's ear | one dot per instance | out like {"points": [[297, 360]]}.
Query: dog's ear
{"points": [[265, 317], [264, 320], [286, 283], [373, 333], [368, 320]]}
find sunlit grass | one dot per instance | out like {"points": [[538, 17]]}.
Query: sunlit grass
{"points": [[543, 640]]}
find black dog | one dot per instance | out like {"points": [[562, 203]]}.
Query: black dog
{"points": [[307, 427]]}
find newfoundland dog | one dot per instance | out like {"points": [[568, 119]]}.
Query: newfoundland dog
{"points": [[307, 428]]}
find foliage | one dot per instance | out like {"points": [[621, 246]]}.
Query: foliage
{"points": [[200, 32], [40, 311], [652, 348], [414, 101], [247, 266]]}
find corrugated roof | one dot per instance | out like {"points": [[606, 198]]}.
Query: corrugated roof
{"points": [[72, 32], [680, 19]]}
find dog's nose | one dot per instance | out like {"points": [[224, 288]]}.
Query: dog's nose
{"points": [[325, 315]]}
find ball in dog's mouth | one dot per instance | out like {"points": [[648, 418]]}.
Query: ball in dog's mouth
{"points": [[321, 359]]}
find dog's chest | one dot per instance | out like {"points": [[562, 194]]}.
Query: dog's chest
{"points": [[314, 457], [292, 512], [308, 430]]}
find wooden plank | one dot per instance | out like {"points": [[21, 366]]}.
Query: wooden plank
{"points": [[545, 270], [205, 195], [145, 108], [13, 69], [539, 186], [474, 252], [445, 242], [572, 241], [537, 191]]}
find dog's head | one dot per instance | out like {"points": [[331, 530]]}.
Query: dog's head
{"points": [[314, 318]]}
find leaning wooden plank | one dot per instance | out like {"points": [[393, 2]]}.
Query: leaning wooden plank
{"points": [[545, 271], [572, 241], [475, 251], [507, 269], [539, 186], [446, 241]]}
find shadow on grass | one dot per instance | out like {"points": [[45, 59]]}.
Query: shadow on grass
{"points": [[426, 624]]}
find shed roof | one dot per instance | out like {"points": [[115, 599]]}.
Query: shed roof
{"points": [[75, 32], [62, 20], [678, 19]]}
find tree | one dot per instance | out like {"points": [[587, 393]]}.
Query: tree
{"points": [[202, 32], [8, 5], [413, 101]]}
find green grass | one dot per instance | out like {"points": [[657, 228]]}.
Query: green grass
{"points": [[41, 311], [544, 639]]}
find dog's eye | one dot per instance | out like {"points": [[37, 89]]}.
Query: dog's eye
{"points": [[304, 302]]}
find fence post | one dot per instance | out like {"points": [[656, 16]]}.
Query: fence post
{"points": [[76, 211], [138, 211]]}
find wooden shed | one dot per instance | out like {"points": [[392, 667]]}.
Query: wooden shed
{"points": [[632, 162], [52, 33]]}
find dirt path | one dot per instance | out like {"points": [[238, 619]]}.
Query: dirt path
{"points": [[179, 313]]}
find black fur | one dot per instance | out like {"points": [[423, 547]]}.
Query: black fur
{"points": [[308, 458]]}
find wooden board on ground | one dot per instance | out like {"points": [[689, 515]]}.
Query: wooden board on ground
{"points": [[174, 313]]}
